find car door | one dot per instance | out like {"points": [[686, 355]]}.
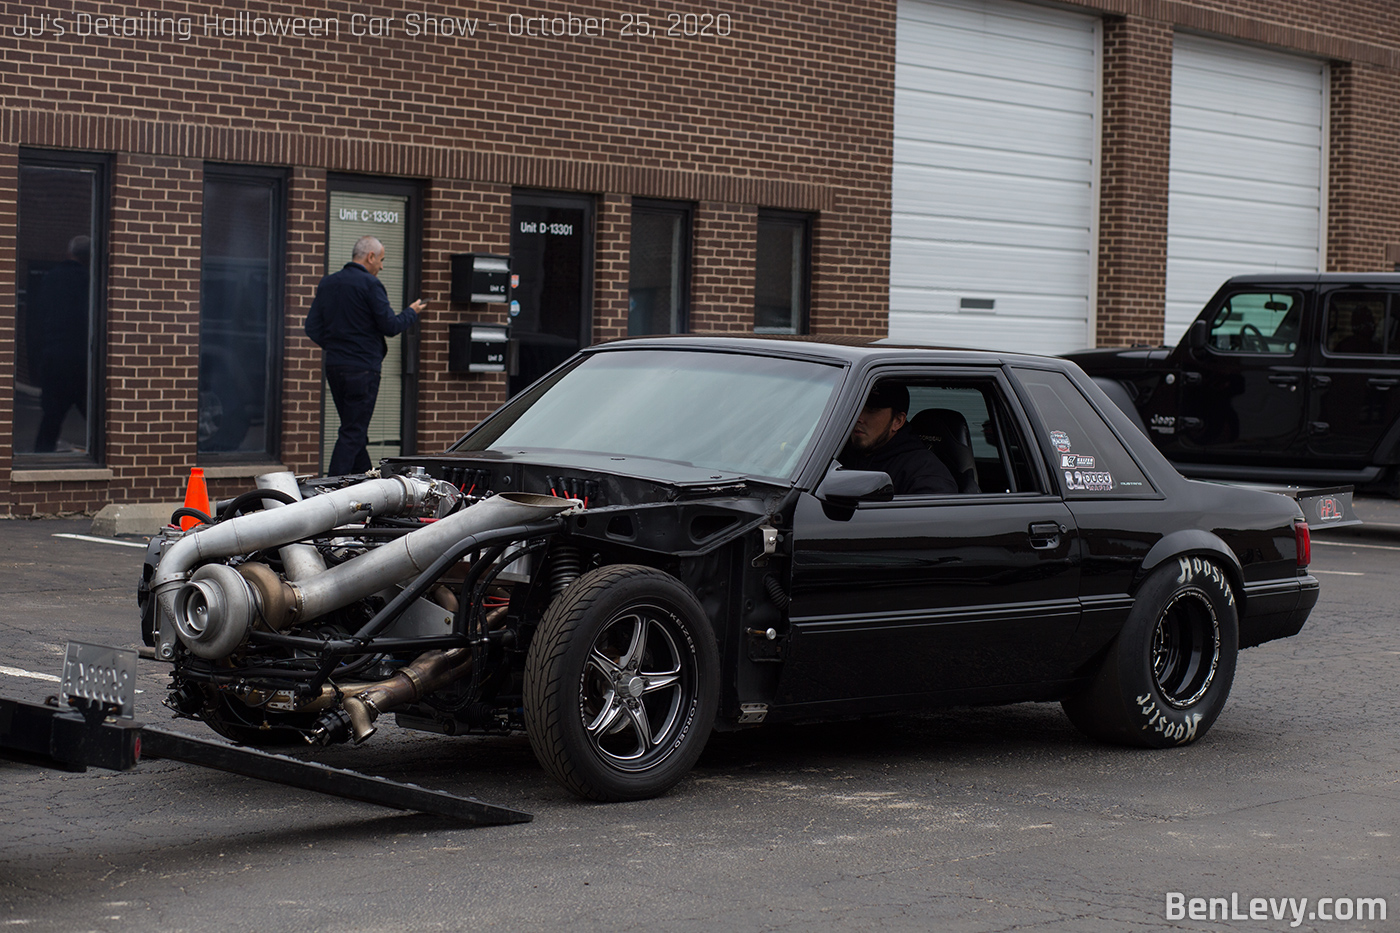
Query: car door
{"points": [[923, 595], [1242, 394], [1354, 383]]}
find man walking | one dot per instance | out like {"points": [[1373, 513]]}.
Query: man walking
{"points": [[350, 317]]}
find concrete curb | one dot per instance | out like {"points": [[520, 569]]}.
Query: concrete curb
{"points": [[122, 519]]}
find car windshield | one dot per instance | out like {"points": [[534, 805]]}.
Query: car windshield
{"points": [[737, 413]]}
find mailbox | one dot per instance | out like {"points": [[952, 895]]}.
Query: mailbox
{"points": [[477, 348], [480, 277]]}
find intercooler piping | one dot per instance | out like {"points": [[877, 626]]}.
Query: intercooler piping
{"points": [[213, 610]]}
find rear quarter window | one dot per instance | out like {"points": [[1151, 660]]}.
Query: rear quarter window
{"points": [[1088, 460]]}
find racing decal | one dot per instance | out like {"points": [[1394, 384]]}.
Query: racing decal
{"points": [[1157, 721], [1076, 462], [1061, 441], [1191, 567], [1089, 480]]}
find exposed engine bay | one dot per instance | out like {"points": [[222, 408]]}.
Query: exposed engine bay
{"points": [[305, 611]]}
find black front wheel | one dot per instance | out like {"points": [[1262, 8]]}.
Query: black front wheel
{"points": [[1166, 678], [621, 684]]}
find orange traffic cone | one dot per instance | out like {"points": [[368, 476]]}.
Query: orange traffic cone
{"points": [[196, 497]]}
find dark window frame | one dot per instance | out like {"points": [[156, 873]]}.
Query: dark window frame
{"points": [[685, 210], [101, 163], [807, 222], [416, 191], [1387, 326], [280, 179]]}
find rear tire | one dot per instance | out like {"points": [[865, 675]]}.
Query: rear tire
{"points": [[621, 684], [1167, 676]]}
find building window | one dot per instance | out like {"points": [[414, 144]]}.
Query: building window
{"points": [[60, 275], [658, 287], [781, 284], [240, 312]]}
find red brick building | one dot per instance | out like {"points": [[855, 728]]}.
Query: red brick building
{"points": [[177, 176]]}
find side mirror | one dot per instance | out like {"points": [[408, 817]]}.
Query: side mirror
{"points": [[1198, 335], [847, 487]]}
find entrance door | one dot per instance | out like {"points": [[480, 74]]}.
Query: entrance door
{"points": [[388, 211], [551, 253]]}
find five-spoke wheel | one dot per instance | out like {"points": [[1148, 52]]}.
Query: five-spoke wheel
{"points": [[621, 684]]}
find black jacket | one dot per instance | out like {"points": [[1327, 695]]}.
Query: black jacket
{"points": [[350, 317], [913, 468]]}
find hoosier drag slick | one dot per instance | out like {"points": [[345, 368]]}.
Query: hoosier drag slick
{"points": [[656, 541]]}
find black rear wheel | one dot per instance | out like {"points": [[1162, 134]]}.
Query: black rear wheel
{"points": [[1167, 676]]}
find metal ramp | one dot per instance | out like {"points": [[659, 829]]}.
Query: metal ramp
{"points": [[96, 728]]}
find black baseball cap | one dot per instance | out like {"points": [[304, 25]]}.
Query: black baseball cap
{"points": [[892, 395]]}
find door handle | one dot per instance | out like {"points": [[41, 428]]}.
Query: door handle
{"points": [[1321, 382], [1281, 380], [1383, 385], [1045, 536]]}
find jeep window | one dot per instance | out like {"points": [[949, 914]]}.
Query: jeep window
{"points": [[1357, 323], [1257, 322], [1089, 460], [738, 413]]}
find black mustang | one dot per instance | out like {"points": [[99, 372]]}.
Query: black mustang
{"points": [[655, 541]]}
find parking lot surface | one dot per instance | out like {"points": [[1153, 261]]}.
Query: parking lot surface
{"points": [[969, 819]]}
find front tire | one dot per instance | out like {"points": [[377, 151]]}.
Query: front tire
{"points": [[621, 684], [1167, 676]]}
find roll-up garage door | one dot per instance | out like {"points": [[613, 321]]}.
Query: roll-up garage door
{"points": [[995, 175], [1247, 169]]}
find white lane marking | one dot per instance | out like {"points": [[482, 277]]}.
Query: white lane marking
{"points": [[1373, 547], [99, 540], [1341, 573], [18, 672]]}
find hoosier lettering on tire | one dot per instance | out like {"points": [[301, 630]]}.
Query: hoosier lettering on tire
{"points": [[1167, 676], [621, 684]]}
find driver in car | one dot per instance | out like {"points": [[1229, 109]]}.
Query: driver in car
{"points": [[883, 442]]}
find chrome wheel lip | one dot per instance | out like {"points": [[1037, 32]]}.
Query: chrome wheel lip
{"points": [[636, 702], [1197, 623]]}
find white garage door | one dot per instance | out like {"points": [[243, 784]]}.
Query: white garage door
{"points": [[1247, 169], [995, 175]]}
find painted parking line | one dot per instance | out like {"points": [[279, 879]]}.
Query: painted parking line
{"points": [[33, 675], [1372, 547], [100, 540], [1341, 573]]}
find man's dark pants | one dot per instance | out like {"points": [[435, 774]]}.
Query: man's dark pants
{"points": [[354, 392]]}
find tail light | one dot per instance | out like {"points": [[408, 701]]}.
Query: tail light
{"points": [[1303, 538]]}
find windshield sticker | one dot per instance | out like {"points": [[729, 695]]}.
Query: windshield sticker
{"points": [[1089, 481], [1061, 441], [1076, 462]]}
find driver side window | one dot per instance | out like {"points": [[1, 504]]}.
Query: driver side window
{"points": [[1257, 322]]}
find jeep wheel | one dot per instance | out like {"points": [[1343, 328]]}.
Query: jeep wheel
{"points": [[621, 684], [1165, 680]]}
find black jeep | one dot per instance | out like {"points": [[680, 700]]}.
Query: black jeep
{"points": [[1284, 378]]}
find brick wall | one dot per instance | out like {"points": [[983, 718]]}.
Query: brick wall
{"points": [[787, 111], [792, 110], [1135, 151], [1363, 211]]}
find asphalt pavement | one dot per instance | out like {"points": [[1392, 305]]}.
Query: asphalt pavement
{"points": [[990, 819]]}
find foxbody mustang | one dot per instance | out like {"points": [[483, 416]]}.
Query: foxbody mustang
{"points": [[657, 540]]}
